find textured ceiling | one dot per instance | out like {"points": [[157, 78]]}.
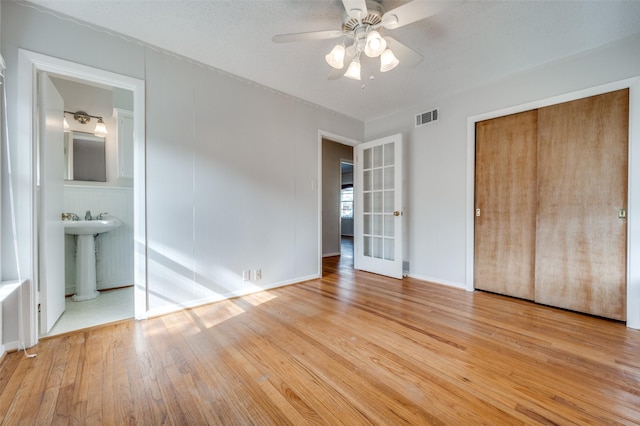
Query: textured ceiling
{"points": [[464, 47]]}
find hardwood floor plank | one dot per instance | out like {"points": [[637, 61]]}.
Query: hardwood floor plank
{"points": [[351, 348]]}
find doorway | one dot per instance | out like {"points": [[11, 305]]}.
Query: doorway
{"points": [[336, 159], [108, 195], [346, 211], [34, 64]]}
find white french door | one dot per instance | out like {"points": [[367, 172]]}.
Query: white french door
{"points": [[379, 206]]}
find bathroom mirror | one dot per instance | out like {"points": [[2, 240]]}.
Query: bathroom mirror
{"points": [[84, 157]]}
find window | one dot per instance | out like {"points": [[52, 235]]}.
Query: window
{"points": [[346, 203]]}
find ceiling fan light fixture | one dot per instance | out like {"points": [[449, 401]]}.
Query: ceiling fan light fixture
{"points": [[375, 44], [388, 61], [335, 58], [353, 71]]}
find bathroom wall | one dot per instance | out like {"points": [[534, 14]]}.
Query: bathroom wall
{"points": [[114, 249], [114, 261]]}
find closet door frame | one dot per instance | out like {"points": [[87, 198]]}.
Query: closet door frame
{"points": [[633, 219]]}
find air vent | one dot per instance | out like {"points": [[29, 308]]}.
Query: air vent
{"points": [[427, 117]]}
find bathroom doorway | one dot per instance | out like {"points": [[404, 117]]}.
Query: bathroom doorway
{"points": [[98, 183], [121, 192]]}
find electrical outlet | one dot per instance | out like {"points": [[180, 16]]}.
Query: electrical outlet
{"points": [[257, 274], [246, 275]]}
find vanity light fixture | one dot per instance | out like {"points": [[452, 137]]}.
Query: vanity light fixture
{"points": [[83, 118]]}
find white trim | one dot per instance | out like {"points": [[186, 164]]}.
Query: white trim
{"points": [[345, 141], [98, 188], [331, 254], [29, 64], [633, 223], [175, 307], [438, 281]]}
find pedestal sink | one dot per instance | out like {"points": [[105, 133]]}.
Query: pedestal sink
{"points": [[86, 231]]}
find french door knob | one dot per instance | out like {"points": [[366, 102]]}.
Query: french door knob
{"points": [[396, 213]]}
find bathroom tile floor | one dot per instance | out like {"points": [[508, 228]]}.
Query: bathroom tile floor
{"points": [[110, 306]]}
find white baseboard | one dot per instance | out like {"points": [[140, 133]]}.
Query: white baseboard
{"points": [[330, 254], [204, 301], [439, 281]]}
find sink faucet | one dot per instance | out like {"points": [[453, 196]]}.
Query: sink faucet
{"points": [[70, 216], [87, 216], [100, 216]]}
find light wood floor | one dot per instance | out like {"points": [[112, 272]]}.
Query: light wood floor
{"points": [[352, 348]]}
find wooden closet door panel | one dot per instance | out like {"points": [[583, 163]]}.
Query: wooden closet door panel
{"points": [[582, 185], [505, 191]]}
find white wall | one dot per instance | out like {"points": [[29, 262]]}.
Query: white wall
{"points": [[230, 165], [437, 157]]}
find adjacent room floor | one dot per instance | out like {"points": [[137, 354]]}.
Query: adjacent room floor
{"points": [[110, 306]]}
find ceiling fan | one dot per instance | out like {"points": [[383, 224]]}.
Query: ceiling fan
{"points": [[362, 20]]}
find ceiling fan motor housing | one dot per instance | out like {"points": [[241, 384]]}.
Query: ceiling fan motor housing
{"points": [[373, 17]]}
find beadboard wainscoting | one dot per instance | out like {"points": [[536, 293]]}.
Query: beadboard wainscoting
{"points": [[114, 249]]}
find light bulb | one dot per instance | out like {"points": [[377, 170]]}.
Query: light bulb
{"points": [[375, 44], [388, 61], [101, 129], [335, 58], [354, 69]]}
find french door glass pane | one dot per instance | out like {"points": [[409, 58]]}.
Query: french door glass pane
{"points": [[367, 161], [366, 178], [389, 177], [389, 154], [389, 229], [389, 201], [377, 224], [366, 202], [377, 178], [389, 249], [377, 247], [367, 246], [378, 156], [378, 202], [366, 223]]}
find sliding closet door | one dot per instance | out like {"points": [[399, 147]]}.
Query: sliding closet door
{"points": [[582, 187], [505, 191]]}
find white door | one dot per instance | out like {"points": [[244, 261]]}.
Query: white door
{"points": [[379, 206], [51, 203]]}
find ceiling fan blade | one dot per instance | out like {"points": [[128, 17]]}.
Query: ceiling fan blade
{"points": [[313, 35], [408, 57], [336, 73], [415, 11], [356, 9]]}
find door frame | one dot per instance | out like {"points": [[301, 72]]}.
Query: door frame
{"points": [[633, 178], [318, 186], [29, 65]]}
